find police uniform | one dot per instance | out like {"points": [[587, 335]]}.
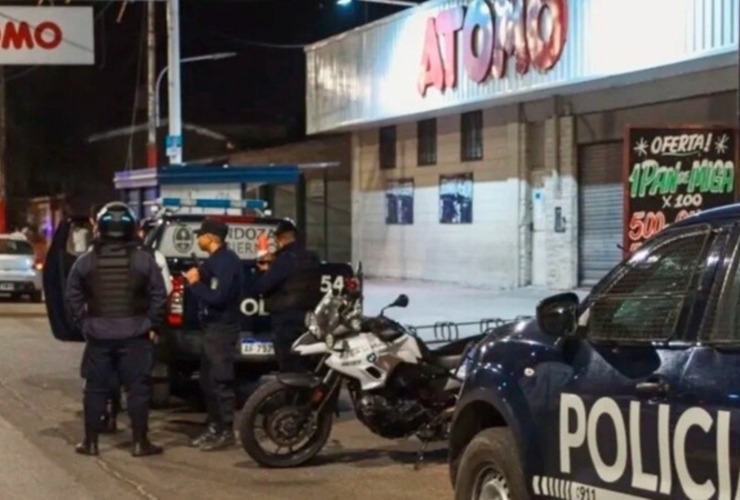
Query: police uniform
{"points": [[219, 291], [116, 297], [291, 288]]}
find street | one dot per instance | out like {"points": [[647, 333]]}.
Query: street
{"points": [[40, 421]]}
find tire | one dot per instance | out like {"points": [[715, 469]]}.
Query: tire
{"points": [[37, 297], [160, 386], [491, 456], [245, 426]]}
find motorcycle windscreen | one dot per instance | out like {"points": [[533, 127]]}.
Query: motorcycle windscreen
{"points": [[71, 239]]}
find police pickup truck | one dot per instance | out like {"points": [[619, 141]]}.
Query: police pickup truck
{"points": [[632, 393], [178, 352]]}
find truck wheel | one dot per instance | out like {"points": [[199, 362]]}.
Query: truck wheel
{"points": [[490, 468], [160, 385]]}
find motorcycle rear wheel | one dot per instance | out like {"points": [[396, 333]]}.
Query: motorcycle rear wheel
{"points": [[316, 439]]}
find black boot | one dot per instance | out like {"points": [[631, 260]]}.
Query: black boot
{"points": [[210, 433], [109, 425], [223, 440], [89, 446], [145, 448]]}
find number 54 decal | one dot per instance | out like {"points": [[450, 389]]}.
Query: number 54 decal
{"points": [[331, 284]]}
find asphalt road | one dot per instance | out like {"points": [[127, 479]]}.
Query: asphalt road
{"points": [[40, 421]]}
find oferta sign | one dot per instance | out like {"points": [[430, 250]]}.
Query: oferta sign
{"points": [[672, 173]]}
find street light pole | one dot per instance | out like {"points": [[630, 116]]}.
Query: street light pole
{"points": [[206, 57], [151, 147], [174, 141]]}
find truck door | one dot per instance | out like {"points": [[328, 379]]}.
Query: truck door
{"points": [[705, 446], [613, 419], [71, 239]]}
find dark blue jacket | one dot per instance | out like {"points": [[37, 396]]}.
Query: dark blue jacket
{"points": [[292, 284], [77, 297], [220, 287]]}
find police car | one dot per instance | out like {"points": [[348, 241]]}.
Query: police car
{"points": [[631, 393], [172, 233]]}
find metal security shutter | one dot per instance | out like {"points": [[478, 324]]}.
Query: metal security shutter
{"points": [[600, 210]]}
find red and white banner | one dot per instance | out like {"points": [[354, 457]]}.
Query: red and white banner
{"points": [[46, 35]]}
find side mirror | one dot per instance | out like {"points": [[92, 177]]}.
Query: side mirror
{"points": [[558, 315], [401, 301]]}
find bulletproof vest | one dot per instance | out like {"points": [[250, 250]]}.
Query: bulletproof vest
{"points": [[117, 289], [302, 290]]}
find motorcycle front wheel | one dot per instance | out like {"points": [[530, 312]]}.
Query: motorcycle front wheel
{"points": [[289, 420]]}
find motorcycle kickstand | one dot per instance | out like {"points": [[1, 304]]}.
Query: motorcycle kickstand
{"points": [[420, 455]]}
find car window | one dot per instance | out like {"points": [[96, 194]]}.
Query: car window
{"points": [[178, 239], [722, 314], [15, 247], [645, 299]]}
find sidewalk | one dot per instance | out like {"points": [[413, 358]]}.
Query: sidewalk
{"points": [[434, 302]]}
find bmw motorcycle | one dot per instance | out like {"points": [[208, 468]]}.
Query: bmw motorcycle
{"points": [[397, 385]]}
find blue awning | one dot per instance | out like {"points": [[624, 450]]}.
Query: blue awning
{"points": [[199, 175]]}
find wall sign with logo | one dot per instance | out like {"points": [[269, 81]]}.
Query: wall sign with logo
{"points": [[456, 199], [532, 31], [672, 173], [46, 35], [399, 202]]}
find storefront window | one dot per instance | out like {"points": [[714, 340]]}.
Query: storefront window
{"points": [[426, 132], [387, 146], [471, 141]]}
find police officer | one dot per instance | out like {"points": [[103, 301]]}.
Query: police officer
{"points": [[116, 297], [291, 287], [218, 286]]}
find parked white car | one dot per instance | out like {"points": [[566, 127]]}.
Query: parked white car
{"points": [[20, 273]]}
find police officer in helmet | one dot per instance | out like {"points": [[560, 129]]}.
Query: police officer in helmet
{"points": [[116, 297], [291, 287]]}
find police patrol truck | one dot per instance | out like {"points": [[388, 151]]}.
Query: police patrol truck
{"points": [[631, 393]]}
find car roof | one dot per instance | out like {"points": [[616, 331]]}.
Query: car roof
{"points": [[225, 218], [713, 215]]}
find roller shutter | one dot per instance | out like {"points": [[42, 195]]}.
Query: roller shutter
{"points": [[600, 209]]}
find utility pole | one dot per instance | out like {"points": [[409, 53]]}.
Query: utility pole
{"points": [[3, 154], [151, 46], [174, 140]]}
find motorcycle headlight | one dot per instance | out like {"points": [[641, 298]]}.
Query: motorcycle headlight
{"points": [[311, 323], [329, 340]]}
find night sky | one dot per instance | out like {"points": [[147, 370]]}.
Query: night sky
{"points": [[51, 110]]}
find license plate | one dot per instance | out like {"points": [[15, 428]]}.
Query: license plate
{"points": [[257, 348], [6, 286]]}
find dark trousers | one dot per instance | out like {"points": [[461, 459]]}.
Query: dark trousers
{"points": [[217, 373], [107, 362], [287, 327]]}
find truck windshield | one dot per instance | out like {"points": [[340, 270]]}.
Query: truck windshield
{"points": [[178, 239]]}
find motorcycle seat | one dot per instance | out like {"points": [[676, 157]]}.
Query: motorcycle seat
{"points": [[448, 362]]}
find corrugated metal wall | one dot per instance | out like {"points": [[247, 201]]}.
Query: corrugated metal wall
{"points": [[370, 74], [600, 202]]}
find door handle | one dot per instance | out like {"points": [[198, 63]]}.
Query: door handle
{"points": [[652, 388]]}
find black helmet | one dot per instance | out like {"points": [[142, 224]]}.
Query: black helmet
{"points": [[116, 221], [286, 226]]}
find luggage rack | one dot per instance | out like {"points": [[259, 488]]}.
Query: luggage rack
{"points": [[449, 331]]}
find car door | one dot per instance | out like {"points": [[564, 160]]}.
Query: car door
{"points": [[71, 239], [610, 425], [705, 445]]}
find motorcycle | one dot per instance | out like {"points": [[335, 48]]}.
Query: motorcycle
{"points": [[397, 385]]}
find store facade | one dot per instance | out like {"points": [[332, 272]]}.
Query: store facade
{"points": [[488, 137]]}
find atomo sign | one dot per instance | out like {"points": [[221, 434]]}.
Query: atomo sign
{"points": [[47, 36]]}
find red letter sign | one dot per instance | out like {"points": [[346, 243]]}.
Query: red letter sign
{"points": [[19, 36], [478, 27], [449, 23], [432, 71], [53, 33], [545, 54], [511, 37]]}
